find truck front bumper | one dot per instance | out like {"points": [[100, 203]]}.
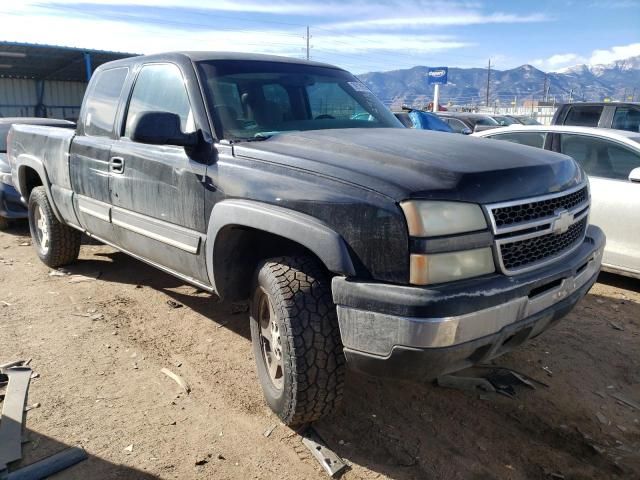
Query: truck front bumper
{"points": [[11, 205], [420, 333]]}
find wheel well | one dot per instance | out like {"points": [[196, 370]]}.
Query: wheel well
{"points": [[30, 180], [237, 252]]}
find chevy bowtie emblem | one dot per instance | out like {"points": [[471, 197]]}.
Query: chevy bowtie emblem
{"points": [[562, 222]]}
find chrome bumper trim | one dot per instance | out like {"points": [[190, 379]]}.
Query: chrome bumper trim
{"points": [[377, 333]]}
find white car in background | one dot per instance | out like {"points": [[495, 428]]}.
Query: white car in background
{"points": [[611, 159]]}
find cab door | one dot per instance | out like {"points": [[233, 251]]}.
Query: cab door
{"points": [[615, 199], [90, 150], [157, 191]]}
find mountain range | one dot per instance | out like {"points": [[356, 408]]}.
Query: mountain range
{"points": [[619, 80]]}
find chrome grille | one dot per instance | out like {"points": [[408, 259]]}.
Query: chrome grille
{"points": [[527, 212], [524, 252], [532, 232]]}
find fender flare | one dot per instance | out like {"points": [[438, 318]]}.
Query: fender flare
{"points": [[30, 161], [304, 229]]}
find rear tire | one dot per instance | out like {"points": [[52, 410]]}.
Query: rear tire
{"points": [[296, 339], [56, 244], [4, 223]]}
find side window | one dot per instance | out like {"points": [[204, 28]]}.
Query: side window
{"points": [[102, 102], [159, 88], [583, 116], [485, 121], [457, 125], [277, 98], [330, 101], [599, 157], [626, 118], [532, 139]]}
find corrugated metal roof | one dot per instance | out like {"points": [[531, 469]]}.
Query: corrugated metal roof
{"points": [[50, 62]]}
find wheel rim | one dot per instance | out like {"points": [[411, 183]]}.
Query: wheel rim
{"points": [[42, 229], [270, 340]]}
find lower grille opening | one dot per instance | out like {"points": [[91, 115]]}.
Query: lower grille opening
{"points": [[582, 268], [545, 288]]}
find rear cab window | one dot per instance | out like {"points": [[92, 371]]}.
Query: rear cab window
{"points": [[102, 102], [583, 115]]}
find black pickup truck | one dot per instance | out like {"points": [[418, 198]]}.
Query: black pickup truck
{"points": [[401, 253]]}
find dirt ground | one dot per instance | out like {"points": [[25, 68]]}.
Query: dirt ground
{"points": [[99, 343]]}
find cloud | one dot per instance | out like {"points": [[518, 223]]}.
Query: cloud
{"points": [[561, 61], [614, 53], [439, 20]]}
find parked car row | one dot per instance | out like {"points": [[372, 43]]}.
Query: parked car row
{"points": [[611, 159], [288, 184]]}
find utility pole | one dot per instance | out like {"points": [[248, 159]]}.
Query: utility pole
{"points": [[571, 95], [308, 36], [544, 89], [488, 79], [633, 94]]}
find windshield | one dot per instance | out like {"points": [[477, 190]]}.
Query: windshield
{"points": [[505, 120], [484, 121], [528, 121], [257, 99]]}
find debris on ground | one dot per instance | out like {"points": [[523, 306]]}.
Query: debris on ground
{"points": [[5, 304], [327, 458], [602, 419], [489, 378], [548, 370], [77, 278], [24, 244], [177, 378], [59, 273], [174, 304], [51, 465], [616, 326], [31, 407], [626, 401], [129, 448], [18, 378], [270, 430]]}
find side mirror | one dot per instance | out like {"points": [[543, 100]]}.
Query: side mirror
{"points": [[634, 176], [162, 128], [466, 131]]}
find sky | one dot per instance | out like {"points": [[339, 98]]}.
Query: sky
{"points": [[359, 35]]}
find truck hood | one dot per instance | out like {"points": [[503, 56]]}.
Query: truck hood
{"points": [[408, 163]]}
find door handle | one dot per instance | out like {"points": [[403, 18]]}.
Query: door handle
{"points": [[116, 164]]}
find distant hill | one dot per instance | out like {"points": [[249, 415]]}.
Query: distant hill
{"points": [[468, 85]]}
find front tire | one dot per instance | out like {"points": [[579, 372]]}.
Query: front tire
{"points": [[296, 339], [56, 244]]}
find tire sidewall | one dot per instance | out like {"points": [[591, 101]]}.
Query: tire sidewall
{"points": [[279, 400]]}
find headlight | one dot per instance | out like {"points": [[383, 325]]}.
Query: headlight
{"points": [[433, 218], [426, 269], [6, 178]]}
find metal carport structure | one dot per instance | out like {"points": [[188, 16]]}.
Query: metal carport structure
{"points": [[46, 80]]}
